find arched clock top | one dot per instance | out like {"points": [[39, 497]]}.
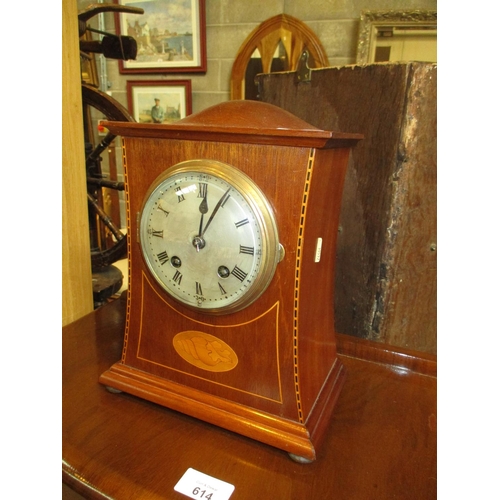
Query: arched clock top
{"points": [[250, 115], [251, 122]]}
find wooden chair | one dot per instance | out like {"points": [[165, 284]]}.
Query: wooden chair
{"points": [[281, 33]]}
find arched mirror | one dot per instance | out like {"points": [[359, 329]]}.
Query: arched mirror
{"points": [[409, 35], [275, 45]]}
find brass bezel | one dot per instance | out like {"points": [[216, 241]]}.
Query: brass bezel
{"points": [[253, 195]]}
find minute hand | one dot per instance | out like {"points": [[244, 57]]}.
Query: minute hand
{"points": [[225, 196]]}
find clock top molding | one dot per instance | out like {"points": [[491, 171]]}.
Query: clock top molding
{"points": [[251, 122]]}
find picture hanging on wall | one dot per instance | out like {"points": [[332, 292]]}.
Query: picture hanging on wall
{"points": [[159, 101], [170, 36]]}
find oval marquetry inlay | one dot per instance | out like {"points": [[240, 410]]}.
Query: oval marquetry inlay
{"points": [[205, 351]]}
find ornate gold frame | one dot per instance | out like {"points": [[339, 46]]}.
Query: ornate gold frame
{"points": [[370, 21]]}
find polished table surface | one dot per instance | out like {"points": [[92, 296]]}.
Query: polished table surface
{"points": [[381, 442]]}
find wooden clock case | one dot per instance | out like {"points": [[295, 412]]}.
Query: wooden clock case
{"points": [[284, 378]]}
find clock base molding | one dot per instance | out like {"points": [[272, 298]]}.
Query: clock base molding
{"points": [[300, 440]]}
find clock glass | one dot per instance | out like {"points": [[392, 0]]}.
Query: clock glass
{"points": [[209, 236]]}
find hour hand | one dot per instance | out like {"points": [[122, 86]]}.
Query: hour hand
{"points": [[203, 208]]}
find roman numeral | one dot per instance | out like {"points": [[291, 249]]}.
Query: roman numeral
{"points": [[247, 250], [162, 257], [202, 191], [241, 222], [222, 291], [180, 196], [163, 210], [154, 232], [177, 277], [199, 291], [238, 273]]}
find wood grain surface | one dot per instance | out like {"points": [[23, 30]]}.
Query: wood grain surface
{"points": [[76, 270], [380, 442], [386, 283]]}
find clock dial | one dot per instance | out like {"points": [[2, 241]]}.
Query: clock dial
{"points": [[209, 236]]}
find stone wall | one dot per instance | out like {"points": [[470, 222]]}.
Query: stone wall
{"points": [[229, 22]]}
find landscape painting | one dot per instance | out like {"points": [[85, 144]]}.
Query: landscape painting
{"points": [[170, 36]]}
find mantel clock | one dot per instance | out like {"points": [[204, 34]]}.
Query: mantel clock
{"points": [[232, 217]]}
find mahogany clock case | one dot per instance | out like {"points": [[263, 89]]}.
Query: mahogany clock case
{"points": [[284, 377]]}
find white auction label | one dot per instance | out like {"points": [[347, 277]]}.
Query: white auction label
{"points": [[197, 485]]}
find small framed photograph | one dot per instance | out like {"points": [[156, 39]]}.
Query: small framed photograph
{"points": [[170, 36], [159, 101]]}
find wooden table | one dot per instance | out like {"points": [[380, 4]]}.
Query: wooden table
{"points": [[381, 442]]}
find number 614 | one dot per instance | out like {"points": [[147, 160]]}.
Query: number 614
{"points": [[197, 492]]}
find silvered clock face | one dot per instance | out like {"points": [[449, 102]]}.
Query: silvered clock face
{"points": [[209, 236]]}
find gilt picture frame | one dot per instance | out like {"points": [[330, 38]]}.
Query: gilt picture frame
{"points": [[373, 22], [170, 36], [159, 101]]}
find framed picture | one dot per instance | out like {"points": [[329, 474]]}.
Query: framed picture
{"points": [[390, 35], [170, 35], [159, 101]]}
